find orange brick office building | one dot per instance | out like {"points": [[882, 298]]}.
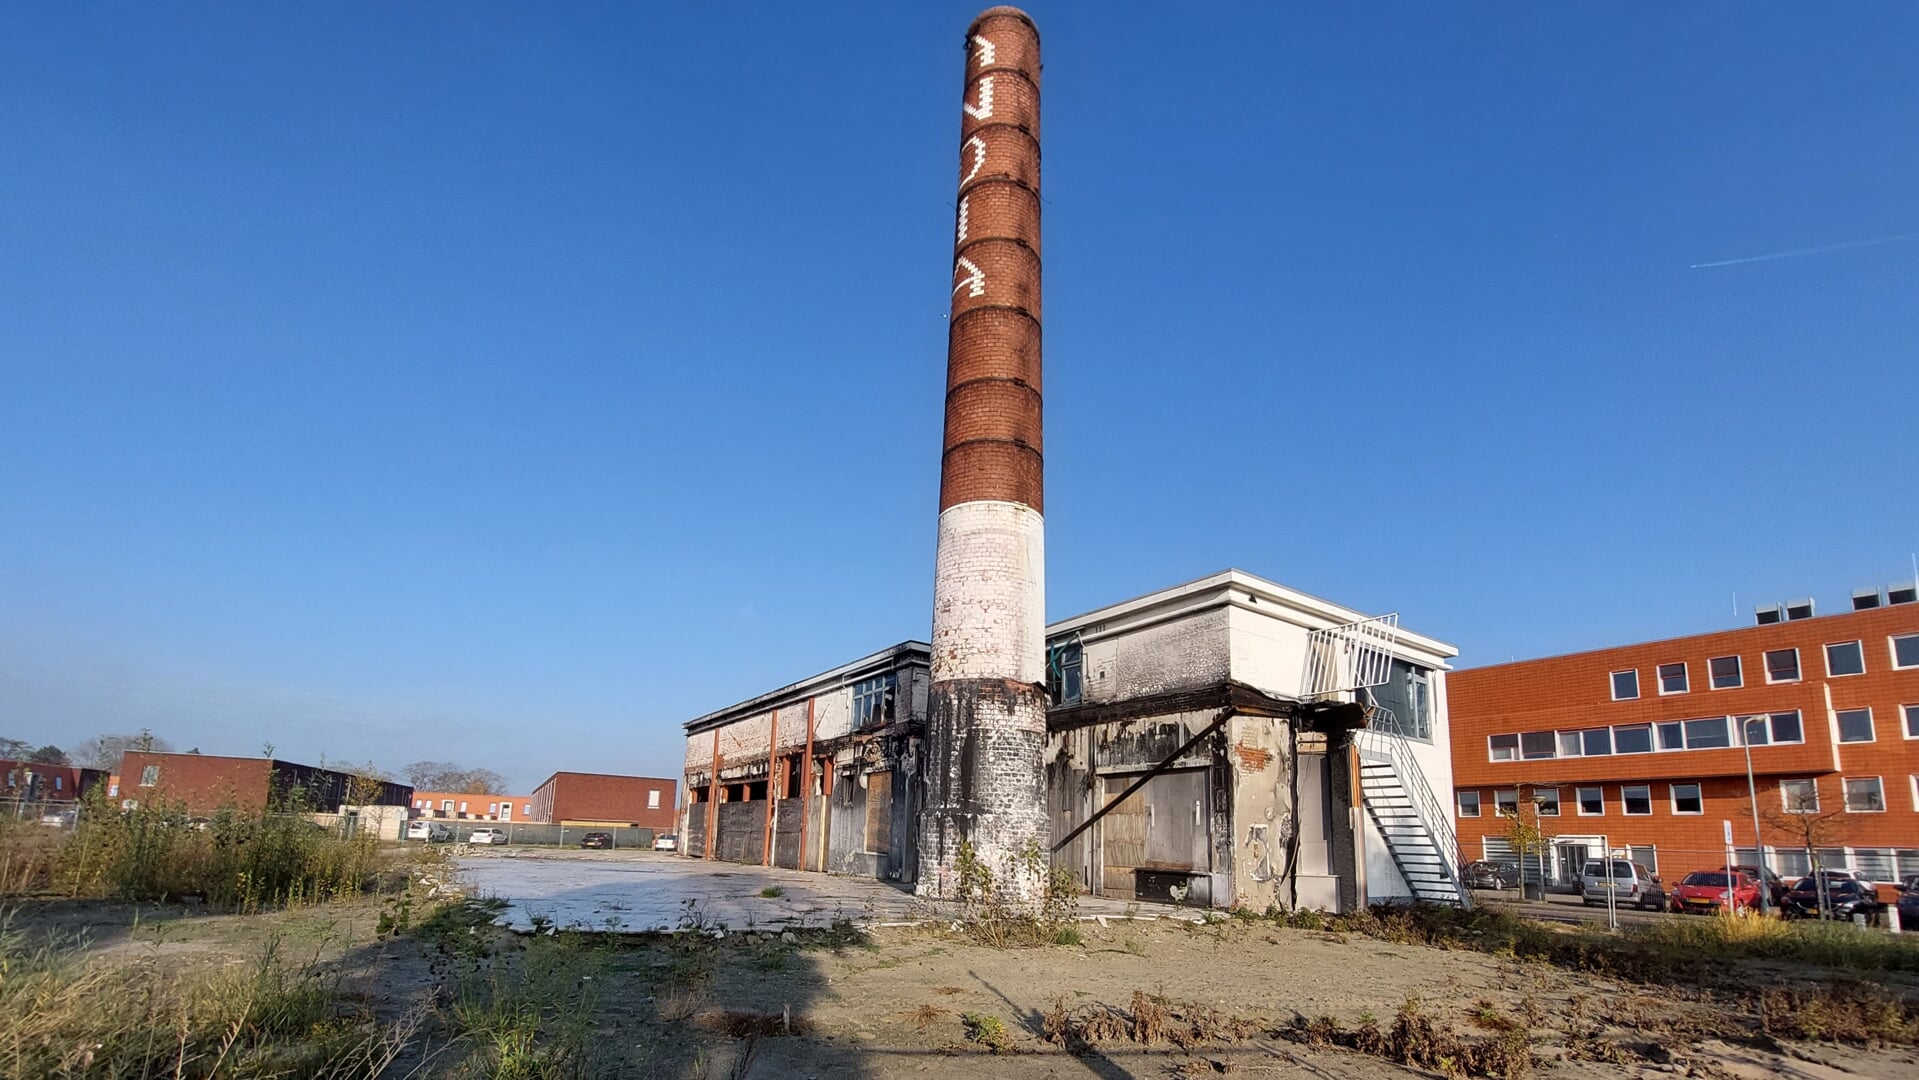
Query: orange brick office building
{"points": [[1641, 746]]}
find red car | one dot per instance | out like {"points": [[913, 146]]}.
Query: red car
{"points": [[1704, 891]]}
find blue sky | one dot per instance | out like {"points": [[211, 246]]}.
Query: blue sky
{"points": [[511, 383]]}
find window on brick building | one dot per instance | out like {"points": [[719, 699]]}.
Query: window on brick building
{"points": [[1782, 665], [1786, 727], [1546, 801], [1632, 739], [1792, 862], [873, 700], [1672, 679], [1799, 796], [1569, 744], [1752, 730], [1536, 745], [1645, 855], [1596, 742], [1672, 735], [1708, 733], [1905, 651], [1725, 672], [1865, 795], [1686, 799], [1636, 799], [653, 799], [1912, 720], [1855, 725], [1502, 747], [1506, 803], [1065, 671], [1592, 801], [1625, 685], [1469, 804], [149, 775], [1907, 861], [1845, 658], [1875, 863]]}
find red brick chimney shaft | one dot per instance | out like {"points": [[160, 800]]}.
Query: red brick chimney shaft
{"points": [[993, 447]]}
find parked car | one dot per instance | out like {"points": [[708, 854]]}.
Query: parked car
{"points": [[597, 840], [487, 836], [1909, 908], [1704, 892], [1632, 884], [1846, 896], [1486, 874], [432, 832], [60, 819], [665, 842], [1776, 886]]}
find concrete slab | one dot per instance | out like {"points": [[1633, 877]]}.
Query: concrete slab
{"points": [[641, 892]]}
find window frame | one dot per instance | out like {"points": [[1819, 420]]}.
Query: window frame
{"points": [[1772, 729], [1685, 678], [1492, 752], [1839, 727], [1798, 670], [1909, 721], [1892, 650], [1613, 683], [1738, 673], [1785, 804], [1552, 738], [1625, 807], [1858, 645], [1652, 739], [1672, 797], [1579, 801], [1459, 803], [1497, 792], [1539, 802], [1845, 788], [1724, 721], [149, 775]]}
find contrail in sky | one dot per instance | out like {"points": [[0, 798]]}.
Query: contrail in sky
{"points": [[1804, 251]]}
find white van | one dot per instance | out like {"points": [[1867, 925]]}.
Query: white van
{"points": [[433, 832]]}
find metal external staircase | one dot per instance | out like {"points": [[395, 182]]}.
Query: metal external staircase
{"points": [[1418, 831]]}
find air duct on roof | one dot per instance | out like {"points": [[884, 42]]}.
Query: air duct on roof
{"points": [[1766, 616], [1865, 598], [1799, 609], [1902, 594]]}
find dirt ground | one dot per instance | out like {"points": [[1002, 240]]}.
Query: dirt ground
{"points": [[922, 1001]]}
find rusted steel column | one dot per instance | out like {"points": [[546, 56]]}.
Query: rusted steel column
{"points": [[713, 798], [986, 722], [806, 785], [772, 767]]}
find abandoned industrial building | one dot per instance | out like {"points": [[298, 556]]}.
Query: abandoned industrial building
{"points": [[1228, 742]]}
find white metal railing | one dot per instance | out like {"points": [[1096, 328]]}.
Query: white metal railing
{"points": [[1348, 657], [1433, 815]]}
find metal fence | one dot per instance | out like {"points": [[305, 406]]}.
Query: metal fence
{"points": [[533, 834], [55, 814]]}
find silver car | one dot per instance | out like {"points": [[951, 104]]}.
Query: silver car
{"points": [[1632, 884]]}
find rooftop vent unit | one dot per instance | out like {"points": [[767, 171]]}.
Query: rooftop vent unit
{"points": [[1865, 598], [1799, 609], [1902, 594], [1766, 616]]}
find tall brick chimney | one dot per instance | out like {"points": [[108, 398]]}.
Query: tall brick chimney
{"points": [[986, 723]]}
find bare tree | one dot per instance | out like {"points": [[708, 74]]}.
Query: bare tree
{"points": [[365, 783], [103, 751], [450, 776], [1805, 827]]}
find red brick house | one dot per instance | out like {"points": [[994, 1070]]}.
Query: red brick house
{"points": [[33, 782], [467, 806], [203, 783], [602, 799], [1645, 746]]}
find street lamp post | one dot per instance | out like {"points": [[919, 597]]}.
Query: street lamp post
{"points": [[1752, 796]]}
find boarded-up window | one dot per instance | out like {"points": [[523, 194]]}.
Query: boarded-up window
{"points": [[879, 811]]}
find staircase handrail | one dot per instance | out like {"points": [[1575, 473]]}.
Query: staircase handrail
{"points": [[1432, 814]]}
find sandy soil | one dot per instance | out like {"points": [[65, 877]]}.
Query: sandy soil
{"points": [[892, 1005]]}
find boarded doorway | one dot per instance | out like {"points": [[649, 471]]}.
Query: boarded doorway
{"points": [[1160, 827]]}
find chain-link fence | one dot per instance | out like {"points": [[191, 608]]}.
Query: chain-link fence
{"points": [[1560, 864], [54, 814]]}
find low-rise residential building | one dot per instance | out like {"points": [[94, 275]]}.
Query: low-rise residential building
{"points": [[1660, 748], [1214, 744], [645, 802], [203, 783], [468, 806], [31, 781]]}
